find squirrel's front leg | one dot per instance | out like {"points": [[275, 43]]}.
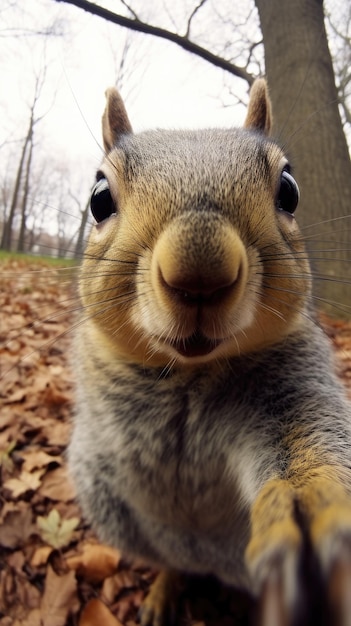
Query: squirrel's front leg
{"points": [[325, 503], [273, 552], [317, 506]]}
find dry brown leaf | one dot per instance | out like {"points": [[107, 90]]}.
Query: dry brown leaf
{"points": [[57, 485], [6, 461], [16, 560], [113, 585], [33, 619], [27, 481], [96, 613], [9, 507], [27, 595], [16, 396], [40, 556], [16, 528], [126, 606], [95, 563], [6, 422], [54, 396], [38, 384], [17, 594], [57, 433], [59, 599], [38, 458]]}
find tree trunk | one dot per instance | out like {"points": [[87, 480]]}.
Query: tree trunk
{"points": [[307, 120], [80, 244], [6, 240], [22, 231]]}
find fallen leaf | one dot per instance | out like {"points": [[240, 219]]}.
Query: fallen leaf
{"points": [[27, 481], [37, 458], [57, 485], [16, 560], [126, 605], [27, 594], [16, 528], [33, 619], [38, 381], [9, 507], [17, 396], [57, 433], [95, 563], [55, 531], [54, 396], [5, 457], [40, 556], [113, 585], [96, 613], [59, 598]]}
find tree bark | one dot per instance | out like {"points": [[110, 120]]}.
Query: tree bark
{"points": [[26, 185], [6, 240], [307, 120], [80, 243], [7, 235]]}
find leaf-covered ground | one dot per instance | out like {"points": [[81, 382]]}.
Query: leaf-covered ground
{"points": [[53, 570]]}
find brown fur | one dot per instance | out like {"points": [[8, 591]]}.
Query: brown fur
{"points": [[211, 435]]}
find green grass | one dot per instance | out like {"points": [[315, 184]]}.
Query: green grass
{"points": [[41, 260]]}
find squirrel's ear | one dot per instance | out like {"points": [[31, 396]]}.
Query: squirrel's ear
{"points": [[259, 113], [115, 121]]}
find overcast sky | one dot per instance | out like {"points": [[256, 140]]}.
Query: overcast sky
{"points": [[163, 86]]}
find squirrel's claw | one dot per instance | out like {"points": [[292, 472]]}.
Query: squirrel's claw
{"points": [[271, 609], [339, 591], [159, 606]]}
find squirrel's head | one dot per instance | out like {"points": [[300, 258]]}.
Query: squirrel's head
{"points": [[196, 255]]}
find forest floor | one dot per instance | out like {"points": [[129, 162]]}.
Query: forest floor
{"points": [[53, 570]]}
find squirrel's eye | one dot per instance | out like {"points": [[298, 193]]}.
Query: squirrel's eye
{"points": [[288, 193], [101, 203]]}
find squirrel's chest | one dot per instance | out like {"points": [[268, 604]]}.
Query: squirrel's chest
{"points": [[182, 450], [166, 454], [179, 482]]}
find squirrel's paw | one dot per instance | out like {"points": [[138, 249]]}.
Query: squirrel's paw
{"points": [[331, 538], [339, 591], [160, 605], [273, 561], [299, 554]]}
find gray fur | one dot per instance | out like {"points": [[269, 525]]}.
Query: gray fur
{"points": [[169, 459], [167, 468]]}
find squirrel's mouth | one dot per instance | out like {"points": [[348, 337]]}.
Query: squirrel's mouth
{"points": [[195, 345]]}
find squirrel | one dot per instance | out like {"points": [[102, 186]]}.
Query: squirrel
{"points": [[211, 435]]}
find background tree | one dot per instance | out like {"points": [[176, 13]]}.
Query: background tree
{"points": [[307, 120], [21, 187], [124, 60], [231, 40], [305, 105], [9, 217], [38, 210], [14, 216], [339, 26]]}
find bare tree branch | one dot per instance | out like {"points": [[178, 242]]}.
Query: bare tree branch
{"points": [[342, 60], [149, 29], [130, 9], [192, 15]]}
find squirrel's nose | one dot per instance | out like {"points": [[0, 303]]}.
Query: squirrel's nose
{"points": [[196, 289], [199, 260]]}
